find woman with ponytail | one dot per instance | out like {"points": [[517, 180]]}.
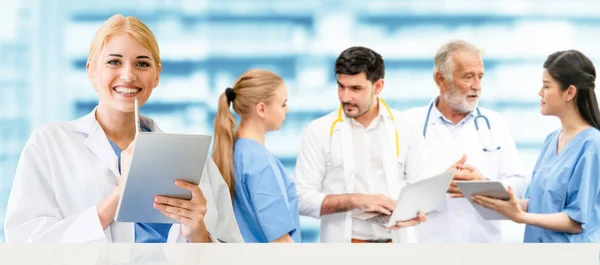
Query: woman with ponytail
{"points": [[264, 195], [563, 204]]}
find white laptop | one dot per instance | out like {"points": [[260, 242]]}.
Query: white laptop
{"points": [[159, 159], [424, 196]]}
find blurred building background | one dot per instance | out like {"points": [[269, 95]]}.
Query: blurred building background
{"points": [[206, 44]]}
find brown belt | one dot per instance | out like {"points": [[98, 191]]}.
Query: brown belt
{"points": [[355, 240]]}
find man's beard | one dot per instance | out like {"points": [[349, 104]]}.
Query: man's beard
{"points": [[457, 102]]}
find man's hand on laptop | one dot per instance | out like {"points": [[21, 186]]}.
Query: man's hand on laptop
{"points": [[421, 217], [373, 203]]}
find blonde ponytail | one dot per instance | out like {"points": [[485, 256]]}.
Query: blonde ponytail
{"points": [[252, 87], [224, 127]]}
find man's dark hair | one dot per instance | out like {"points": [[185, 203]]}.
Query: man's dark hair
{"points": [[356, 60]]}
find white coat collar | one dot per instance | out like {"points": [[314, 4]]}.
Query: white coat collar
{"points": [[88, 123], [97, 141]]}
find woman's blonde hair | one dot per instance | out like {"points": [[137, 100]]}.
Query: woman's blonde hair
{"points": [[120, 24], [252, 87]]}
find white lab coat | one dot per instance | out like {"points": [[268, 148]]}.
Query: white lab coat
{"points": [[325, 165], [67, 168], [458, 221]]}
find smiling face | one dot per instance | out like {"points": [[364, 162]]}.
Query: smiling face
{"points": [[123, 70]]}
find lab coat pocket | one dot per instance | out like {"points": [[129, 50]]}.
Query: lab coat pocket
{"points": [[334, 161], [334, 158], [335, 164], [399, 164], [399, 170], [335, 170]]}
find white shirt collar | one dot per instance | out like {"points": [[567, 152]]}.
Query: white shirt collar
{"points": [[436, 114], [383, 113]]}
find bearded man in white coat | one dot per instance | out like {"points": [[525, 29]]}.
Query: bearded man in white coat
{"points": [[454, 126]]}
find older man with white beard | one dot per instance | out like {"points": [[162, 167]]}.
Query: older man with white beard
{"points": [[453, 127]]}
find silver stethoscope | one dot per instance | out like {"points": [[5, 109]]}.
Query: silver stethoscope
{"points": [[478, 116]]}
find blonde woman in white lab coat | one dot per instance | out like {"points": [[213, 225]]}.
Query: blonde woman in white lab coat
{"points": [[67, 184]]}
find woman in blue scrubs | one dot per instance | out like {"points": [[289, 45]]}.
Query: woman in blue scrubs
{"points": [[264, 195], [563, 204]]}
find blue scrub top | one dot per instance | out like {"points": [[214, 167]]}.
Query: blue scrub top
{"points": [[567, 182], [261, 186], [145, 232]]}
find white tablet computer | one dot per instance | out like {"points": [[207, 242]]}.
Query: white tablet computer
{"points": [[159, 159], [424, 196], [489, 188]]}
